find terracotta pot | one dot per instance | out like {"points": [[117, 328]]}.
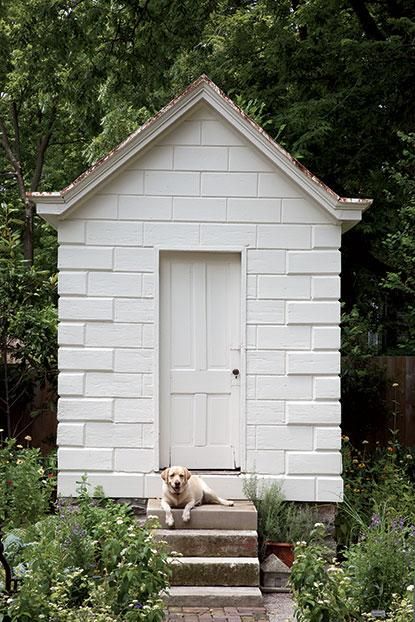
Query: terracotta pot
{"points": [[283, 550]]}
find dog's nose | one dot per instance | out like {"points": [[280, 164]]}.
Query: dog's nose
{"points": [[176, 484]]}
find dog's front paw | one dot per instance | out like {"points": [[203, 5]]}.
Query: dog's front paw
{"points": [[186, 517], [170, 520]]}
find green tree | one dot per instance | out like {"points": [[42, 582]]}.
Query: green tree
{"points": [[399, 246], [334, 81], [331, 80], [28, 324]]}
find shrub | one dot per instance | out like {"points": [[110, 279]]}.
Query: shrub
{"points": [[279, 520], [375, 574], [371, 476], [402, 609], [89, 562], [322, 591], [27, 483], [382, 562]]}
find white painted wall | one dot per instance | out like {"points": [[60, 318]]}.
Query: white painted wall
{"points": [[200, 186]]}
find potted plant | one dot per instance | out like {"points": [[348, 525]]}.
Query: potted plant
{"points": [[281, 523]]}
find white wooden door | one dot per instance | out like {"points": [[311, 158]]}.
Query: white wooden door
{"points": [[199, 353]]}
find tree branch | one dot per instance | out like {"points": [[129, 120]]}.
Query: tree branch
{"points": [[29, 206], [16, 128], [42, 145], [14, 161], [302, 30], [370, 28]]}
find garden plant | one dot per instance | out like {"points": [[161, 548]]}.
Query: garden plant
{"points": [[77, 560], [279, 520], [373, 573]]}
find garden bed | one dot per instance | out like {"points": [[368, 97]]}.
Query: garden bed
{"points": [[83, 560]]}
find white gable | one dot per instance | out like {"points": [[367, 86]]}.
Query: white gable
{"points": [[212, 131], [203, 168]]}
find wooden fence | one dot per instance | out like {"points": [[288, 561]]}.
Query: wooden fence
{"points": [[400, 371]]}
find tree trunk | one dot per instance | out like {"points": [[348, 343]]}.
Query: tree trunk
{"points": [[28, 252], [6, 400], [12, 152], [370, 27]]}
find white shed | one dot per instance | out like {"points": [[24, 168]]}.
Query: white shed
{"points": [[199, 309]]}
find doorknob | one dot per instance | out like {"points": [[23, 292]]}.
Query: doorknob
{"points": [[235, 372]]}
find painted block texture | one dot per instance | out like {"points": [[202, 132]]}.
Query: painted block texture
{"points": [[200, 186]]}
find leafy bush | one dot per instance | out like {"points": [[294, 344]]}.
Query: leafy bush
{"points": [[322, 592], [376, 572], [279, 520], [376, 527], [89, 562], [28, 324], [27, 483], [402, 609], [381, 563], [372, 476]]}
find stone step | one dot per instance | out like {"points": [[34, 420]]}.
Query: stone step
{"points": [[188, 596], [210, 542], [216, 571], [242, 516]]}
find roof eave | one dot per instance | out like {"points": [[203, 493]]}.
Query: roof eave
{"points": [[350, 211], [50, 207]]}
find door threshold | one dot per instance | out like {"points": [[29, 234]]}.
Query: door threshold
{"points": [[211, 471]]}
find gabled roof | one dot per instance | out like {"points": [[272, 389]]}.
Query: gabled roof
{"points": [[55, 206]]}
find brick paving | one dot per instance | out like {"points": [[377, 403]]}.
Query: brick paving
{"points": [[278, 608], [220, 614]]}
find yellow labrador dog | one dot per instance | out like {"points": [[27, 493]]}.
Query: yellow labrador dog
{"points": [[181, 489]]}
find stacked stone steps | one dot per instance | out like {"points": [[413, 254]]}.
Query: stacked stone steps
{"points": [[207, 542], [218, 565]]}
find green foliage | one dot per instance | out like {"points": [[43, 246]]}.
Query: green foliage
{"points": [[92, 561], [400, 245], [381, 563], [28, 322], [402, 608], [322, 591], [371, 476], [376, 575], [278, 519], [27, 484], [375, 528], [332, 82]]}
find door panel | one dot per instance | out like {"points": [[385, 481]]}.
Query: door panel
{"points": [[199, 348]]}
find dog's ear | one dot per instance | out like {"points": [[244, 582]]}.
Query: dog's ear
{"points": [[164, 474], [187, 474]]}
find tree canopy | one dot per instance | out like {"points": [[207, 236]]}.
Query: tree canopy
{"points": [[332, 81]]}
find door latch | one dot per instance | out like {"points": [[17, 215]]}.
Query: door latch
{"points": [[235, 373]]}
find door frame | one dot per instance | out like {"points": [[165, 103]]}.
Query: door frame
{"points": [[242, 251]]}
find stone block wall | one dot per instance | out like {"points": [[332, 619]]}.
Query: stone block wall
{"points": [[201, 185]]}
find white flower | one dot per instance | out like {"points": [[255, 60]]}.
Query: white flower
{"points": [[410, 588]]}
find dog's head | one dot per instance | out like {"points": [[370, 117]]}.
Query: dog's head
{"points": [[176, 478]]}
